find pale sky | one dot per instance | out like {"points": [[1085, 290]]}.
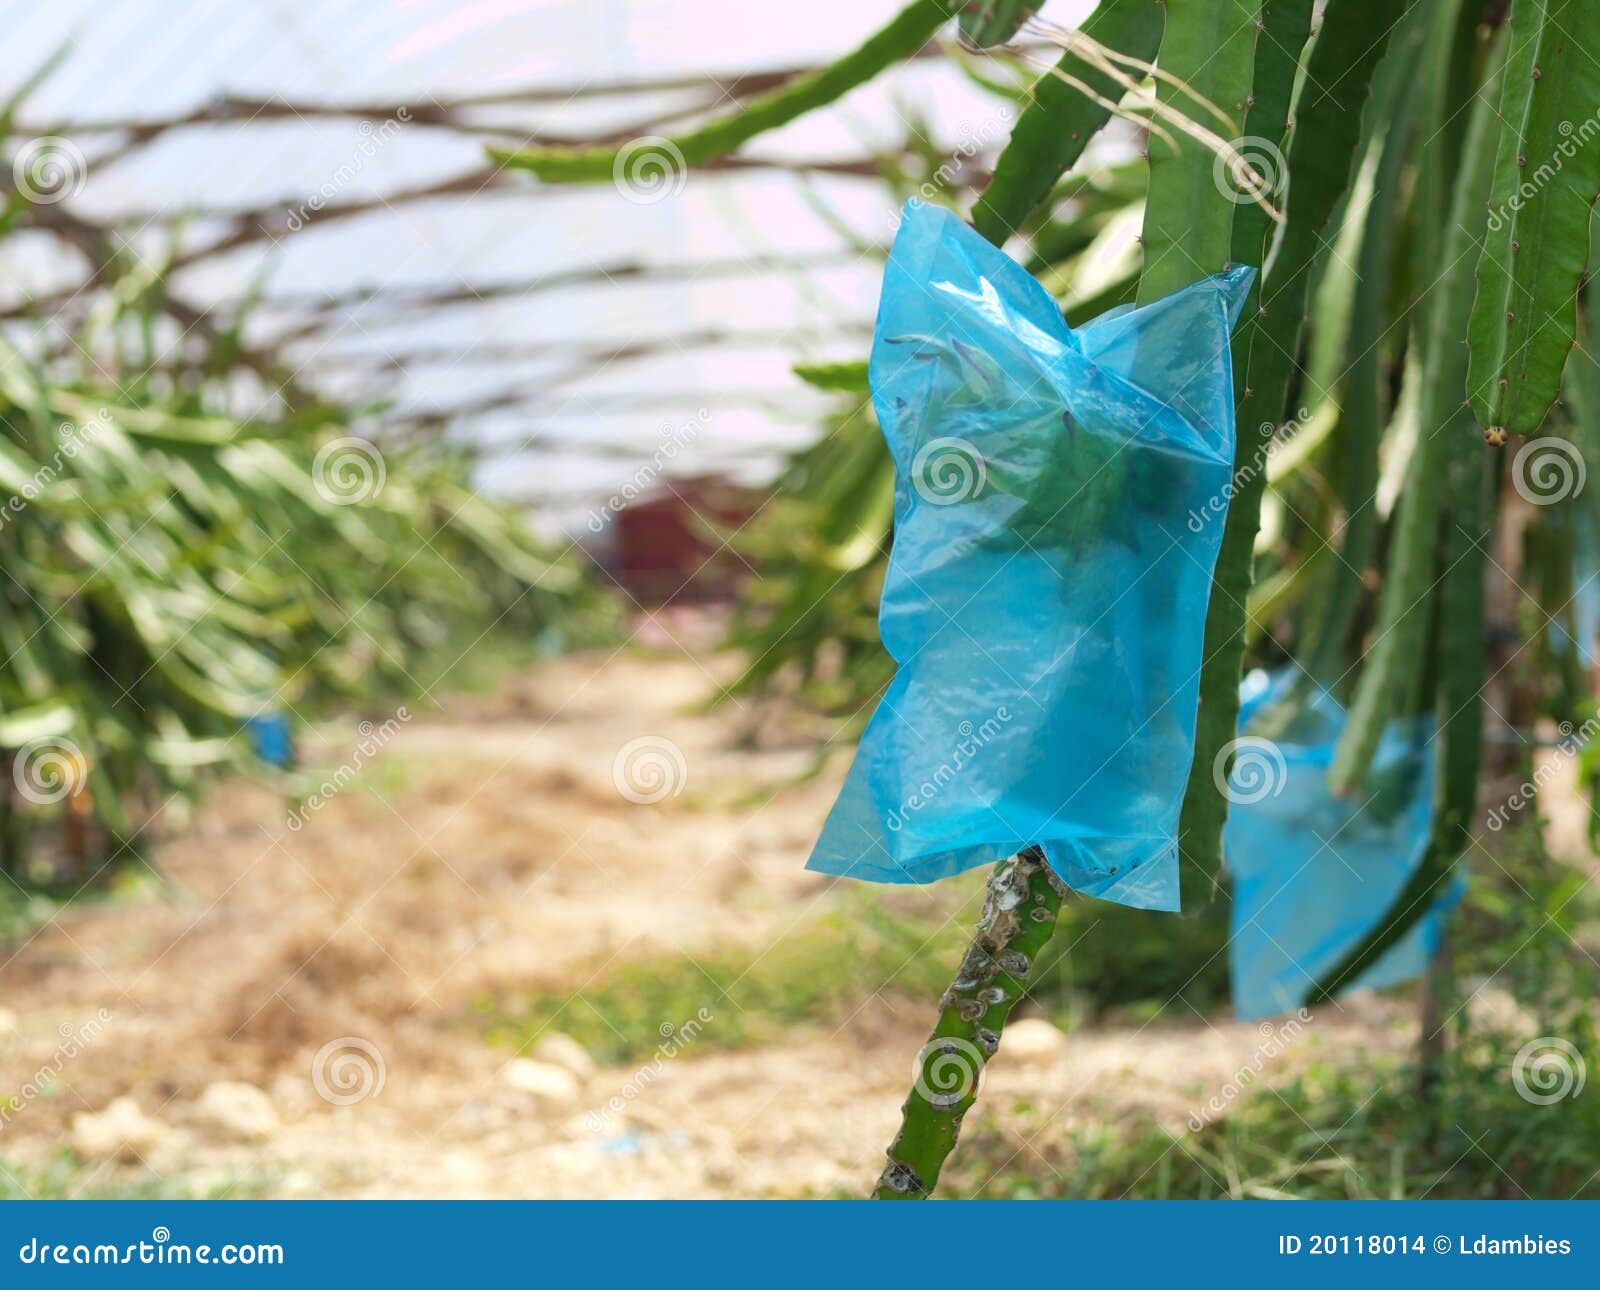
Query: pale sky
{"points": [[133, 58]]}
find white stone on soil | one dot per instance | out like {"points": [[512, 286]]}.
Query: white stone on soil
{"points": [[236, 1112], [1033, 1041], [544, 1083], [566, 1052], [120, 1132]]}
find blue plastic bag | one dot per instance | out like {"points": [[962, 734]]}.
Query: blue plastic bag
{"points": [[1059, 500], [271, 739], [1313, 873]]}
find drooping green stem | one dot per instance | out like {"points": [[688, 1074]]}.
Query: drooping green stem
{"points": [[1060, 119], [1462, 647], [1341, 590], [1286, 26], [905, 34], [1431, 1028], [1337, 81], [1536, 244], [1019, 914], [1207, 51], [1447, 430], [985, 23]]}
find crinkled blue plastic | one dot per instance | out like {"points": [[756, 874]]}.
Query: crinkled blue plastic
{"points": [[1313, 873], [1059, 500]]}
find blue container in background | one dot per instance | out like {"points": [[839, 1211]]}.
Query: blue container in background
{"points": [[1313, 873], [271, 739]]}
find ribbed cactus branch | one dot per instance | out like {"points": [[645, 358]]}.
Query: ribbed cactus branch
{"points": [[651, 157], [1019, 915]]}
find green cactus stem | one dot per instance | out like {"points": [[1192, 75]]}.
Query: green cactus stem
{"points": [[1019, 915]]}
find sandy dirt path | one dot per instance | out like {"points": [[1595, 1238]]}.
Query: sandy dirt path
{"points": [[488, 847]]}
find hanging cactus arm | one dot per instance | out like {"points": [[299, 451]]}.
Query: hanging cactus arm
{"points": [[1341, 589], [1461, 670], [1286, 26], [1060, 119], [1546, 174], [911, 29], [1207, 54], [986, 23], [1403, 606], [1322, 153], [1469, 492]]}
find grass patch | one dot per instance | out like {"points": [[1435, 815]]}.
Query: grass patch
{"points": [[1528, 934], [1103, 958], [1106, 958], [64, 1178], [387, 779], [1334, 1132], [29, 902], [822, 971]]}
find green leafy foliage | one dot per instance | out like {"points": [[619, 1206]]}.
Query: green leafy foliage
{"points": [[171, 571], [808, 627], [1546, 177], [1404, 608]]}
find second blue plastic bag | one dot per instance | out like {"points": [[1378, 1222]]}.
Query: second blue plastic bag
{"points": [[1059, 503], [1313, 873]]}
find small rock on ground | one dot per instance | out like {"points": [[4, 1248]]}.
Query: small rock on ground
{"points": [[545, 1083], [236, 1112], [120, 1132], [566, 1052], [1033, 1042]]}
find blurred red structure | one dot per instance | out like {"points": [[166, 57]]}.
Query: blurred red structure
{"points": [[670, 545]]}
